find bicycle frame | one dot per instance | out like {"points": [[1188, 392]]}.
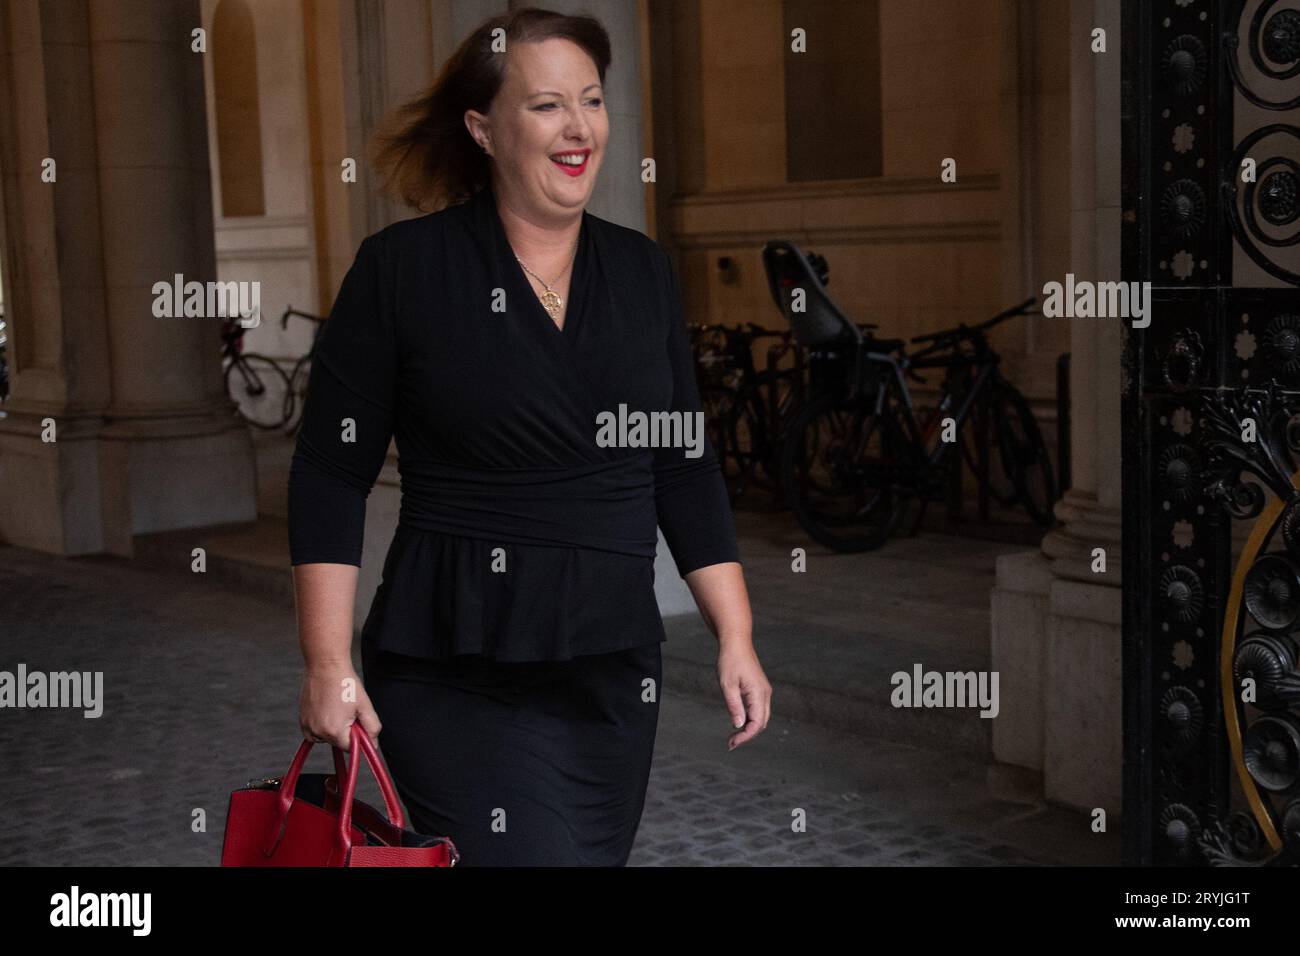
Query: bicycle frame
{"points": [[753, 396], [919, 435]]}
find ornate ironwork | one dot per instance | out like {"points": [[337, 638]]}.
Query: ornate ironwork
{"points": [[1232, 842], [1269, 660], [1182, 365], [1184, 717], [1211, 393], [1282, 344], [1272, 40], [1273, 752], [1183, 208], [1230, 418], [1273, 196]]}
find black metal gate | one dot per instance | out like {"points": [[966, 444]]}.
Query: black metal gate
{"points": [[1211, 403]]}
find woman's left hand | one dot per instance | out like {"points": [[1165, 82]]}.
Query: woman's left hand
{"points": [[745, 689]]}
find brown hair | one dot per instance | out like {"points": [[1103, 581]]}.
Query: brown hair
{"points": [[423, 154]]}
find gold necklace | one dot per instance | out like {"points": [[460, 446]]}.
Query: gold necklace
{"points": [[551, 300]]}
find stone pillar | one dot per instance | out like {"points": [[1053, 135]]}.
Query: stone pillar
{"points": [[1056, 622], [145, 439]]}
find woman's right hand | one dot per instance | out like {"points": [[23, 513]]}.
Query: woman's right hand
{"points": [[332, 698]]}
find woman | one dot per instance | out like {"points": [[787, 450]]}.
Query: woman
{"points": [[512, 652]]}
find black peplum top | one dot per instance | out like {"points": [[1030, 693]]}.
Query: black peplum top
{"points": [[520, 535]]}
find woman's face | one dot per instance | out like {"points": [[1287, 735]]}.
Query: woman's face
{"points": [[550, 108]]}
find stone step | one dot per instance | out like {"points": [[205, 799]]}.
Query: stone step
{"points": [[248, 556]]}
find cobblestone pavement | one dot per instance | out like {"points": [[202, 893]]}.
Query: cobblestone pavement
{"points": [[200, 694], [698, 814]]}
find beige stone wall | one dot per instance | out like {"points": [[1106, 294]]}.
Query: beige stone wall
{"points": [[984, 82], [939, 85]]}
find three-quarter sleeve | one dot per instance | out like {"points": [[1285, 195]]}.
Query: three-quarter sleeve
{"points": [[691, 500], [348, 417]]}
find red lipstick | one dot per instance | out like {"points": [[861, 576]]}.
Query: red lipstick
{"points": [[571, 168]]}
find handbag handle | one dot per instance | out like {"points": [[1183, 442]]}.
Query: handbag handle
{"points": [[391, 803], [360, 742], [284, 799]]}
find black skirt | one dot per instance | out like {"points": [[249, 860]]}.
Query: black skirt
{"points": [[521, 763]]}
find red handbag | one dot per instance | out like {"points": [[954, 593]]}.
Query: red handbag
{"points": [[303, 820]]}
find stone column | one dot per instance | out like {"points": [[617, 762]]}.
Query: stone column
{"points": [[1056, 622], [145, 439]]}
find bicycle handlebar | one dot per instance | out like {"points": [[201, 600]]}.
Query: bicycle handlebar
{"points": [[1014, 310], [963, 330]]}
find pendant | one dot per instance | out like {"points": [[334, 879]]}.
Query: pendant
{"points": [[551, 302]]}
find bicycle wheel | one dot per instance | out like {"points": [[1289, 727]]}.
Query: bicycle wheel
{"points": [[1025, 461], [840, 468], [717, 402], [758, 433], [260, 389], [748, 431], [1001, 488], [295, 399]]}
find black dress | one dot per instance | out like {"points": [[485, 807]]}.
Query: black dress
{"points": [[512, 647]]}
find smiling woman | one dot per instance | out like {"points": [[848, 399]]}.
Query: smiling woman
{"points": [[512, 651], [548, 117], [518, 80]]}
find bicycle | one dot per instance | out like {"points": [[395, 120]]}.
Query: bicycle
{"points": [[856, 458], [765, 403], [745, 408], [298, 378], [265, 395], [718, 377]]}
